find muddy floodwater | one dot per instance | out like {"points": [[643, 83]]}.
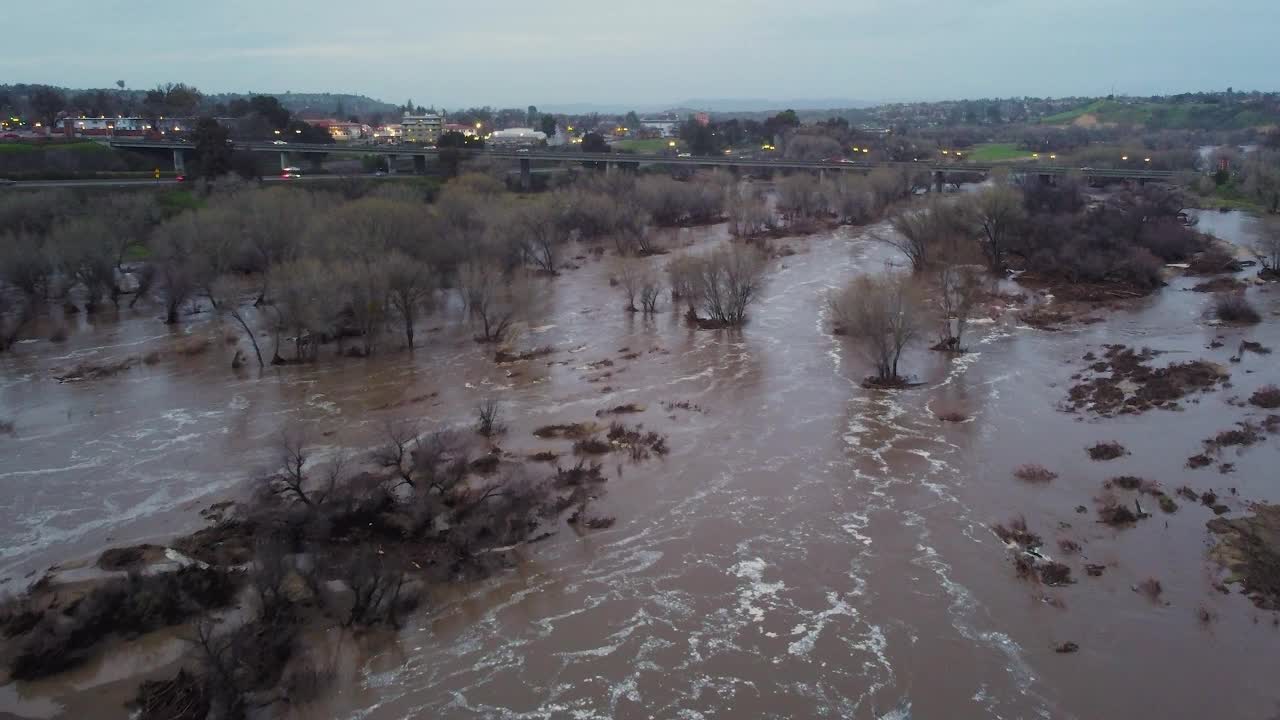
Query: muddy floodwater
{"points": [[809, 548]]}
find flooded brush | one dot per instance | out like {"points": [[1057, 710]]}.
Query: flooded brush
{"points": [[1066, 648], [1106, 451], [1055, 574], [1195, 462], [572, 431], [1267, 396], [592, 446], [183, 697], [506, 356], [1016, 533], [579, 475], [1235, 309], [1117, 515], [1249, 549], [1069, 546], [638, 443], [1151, 589], [1125, 382], [1033, 473], [626, 409], [952, 417], [1246, 434]]}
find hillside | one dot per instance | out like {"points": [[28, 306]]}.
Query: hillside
{"points": [[1166, 115]]}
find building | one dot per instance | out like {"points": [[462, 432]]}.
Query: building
{"points": [[388, 133], [343, 131], [664, 127], [466, 130], [126, 127], [517, 137], [425, 129]]}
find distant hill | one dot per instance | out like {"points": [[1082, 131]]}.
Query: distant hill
{"points": [[754, 105], [1167, 114]]}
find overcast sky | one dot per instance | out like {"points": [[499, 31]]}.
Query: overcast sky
{"points": [[646, 52]]}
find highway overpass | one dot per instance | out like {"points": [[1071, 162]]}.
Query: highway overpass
{"points": [[526, 157]]}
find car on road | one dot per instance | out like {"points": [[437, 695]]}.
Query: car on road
{"points": [[279, 142], [522, 150], [180, 178], [685, 154], [287, 175]]}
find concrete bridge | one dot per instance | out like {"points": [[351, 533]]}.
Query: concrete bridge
{"points": [[526, 157]]}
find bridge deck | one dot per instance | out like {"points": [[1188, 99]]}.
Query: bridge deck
{"points": [[725, 161]]}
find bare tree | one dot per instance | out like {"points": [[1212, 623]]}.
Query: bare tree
{"points": [[650, 291], [226, 298], [849, 197], [628, 275], [294, 479], [749, 214], [396, 453], [411, 286], [882, 313], [682, 277], [800, 198], [365, 286], [489, 418], [491, 300], [541, 229], [922, 233], [997, 213], [1267, 246], [177, 265], [1262, 178], [83, 247], [727, 281], [959, 291]]}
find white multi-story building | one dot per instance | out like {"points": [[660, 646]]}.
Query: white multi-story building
{"points": [[424, 129]]}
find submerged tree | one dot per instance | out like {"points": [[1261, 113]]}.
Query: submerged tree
{"points": [[883, 314]]}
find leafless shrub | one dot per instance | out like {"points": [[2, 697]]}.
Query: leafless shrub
{"points": [[726, 282], [1235, 308], [882, 313], [488, 422]]}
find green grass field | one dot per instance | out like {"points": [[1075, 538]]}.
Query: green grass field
{"points": [[643, 147], [996, 152], [18, 148]]}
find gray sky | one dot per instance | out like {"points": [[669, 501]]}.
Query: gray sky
{"points": [[646, 52]]}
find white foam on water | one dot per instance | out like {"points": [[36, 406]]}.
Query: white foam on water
{"points": [[756, 589]]}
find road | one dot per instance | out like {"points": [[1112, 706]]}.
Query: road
{"points": [[151, 182]]}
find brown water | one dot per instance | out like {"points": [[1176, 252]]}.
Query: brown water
{"points": [[809, 548]]}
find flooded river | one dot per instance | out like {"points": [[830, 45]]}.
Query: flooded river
{"points": [[808, 549]]}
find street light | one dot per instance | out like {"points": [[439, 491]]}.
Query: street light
{"points": [[1146, 159], [1124, 157]]}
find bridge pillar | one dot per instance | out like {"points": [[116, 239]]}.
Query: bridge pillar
{"points": [[822, 174], [179, 163], [391, 164], [420, 164], [284, 160], [939, 181], [526, 175], [1046, 179], [608, 168]]}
